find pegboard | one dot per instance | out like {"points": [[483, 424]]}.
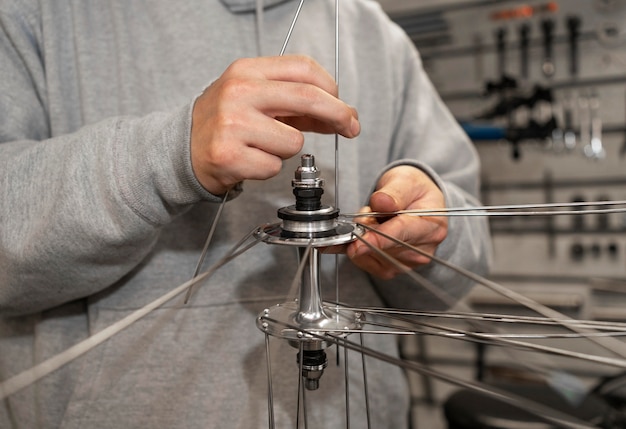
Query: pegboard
{"points": [[464, 58]]}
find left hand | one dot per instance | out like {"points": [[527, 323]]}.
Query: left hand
{"points": [[401, 188]]}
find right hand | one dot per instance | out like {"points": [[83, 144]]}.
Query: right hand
{"points": [[253, 116]]}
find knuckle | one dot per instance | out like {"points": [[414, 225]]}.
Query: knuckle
{"points": [[239, 66], [220, 156], [224, 128], [233, 88], [308, 64], [296, 142], [344, 118], [274, 167], [310, 94], [440, 234]]}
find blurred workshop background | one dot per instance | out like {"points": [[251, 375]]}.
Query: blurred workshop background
{"points": [[540, 87]]}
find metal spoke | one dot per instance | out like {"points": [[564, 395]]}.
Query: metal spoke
{"points": [[347, 386], [270, 386], [495, 318], [602, 333], [30, 376], [291, 27], [300, 402], [506, 210], [207, 243], [398, 330], [365, 386], [507, 341], [304, 408], [610, 344], [537, 409]]}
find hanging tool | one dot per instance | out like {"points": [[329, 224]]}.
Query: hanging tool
{"points": [[584, 121], [569, 134], [558, 134], [501, 49], [622, 151], [505, 83], [573, 28], [547, 66], [595, 148], [511, 103], [524, 36]]}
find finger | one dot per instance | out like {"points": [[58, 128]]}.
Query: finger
{"points": [[287, 68], [334, 250], [396, 259], [318, 110], [410, 188], [381, 264], [271, 136], [424, 233], [304, 123], [376, 267], [366, 220], [231, 167], [384, 201], [313, 92], [398, 189], [310, 107], [414, 231]]}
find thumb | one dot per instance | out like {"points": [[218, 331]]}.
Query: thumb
{"points": [[401, 188], [395, 190], [385, 200]]}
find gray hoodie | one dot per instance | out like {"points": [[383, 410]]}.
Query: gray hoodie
{"points": [[101, 212]]}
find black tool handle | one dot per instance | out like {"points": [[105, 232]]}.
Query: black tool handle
{"points": [[524, 34], [501, 48], [573, 28], [547, 27]]}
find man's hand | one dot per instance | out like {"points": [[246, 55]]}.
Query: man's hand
{"points": [[401, 188], [253, 116]]}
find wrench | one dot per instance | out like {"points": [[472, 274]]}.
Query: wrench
{"points": [[595, 149]]}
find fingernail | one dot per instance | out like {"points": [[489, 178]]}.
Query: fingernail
{"points": [[355, 127]]}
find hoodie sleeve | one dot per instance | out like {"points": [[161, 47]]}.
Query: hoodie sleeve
{"points": [[428, 137], [78, 211]]}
